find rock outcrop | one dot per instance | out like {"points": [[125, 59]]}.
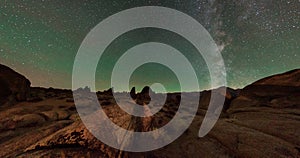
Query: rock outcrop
{"points": [[278, 91], [291, 78], [14, 86], [133, 93], [5, 91], [144, 96]]}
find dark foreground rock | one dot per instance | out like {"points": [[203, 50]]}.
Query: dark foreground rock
{"points": [[261, 120], [14, 86]]}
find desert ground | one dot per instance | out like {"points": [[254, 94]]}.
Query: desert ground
{"points": [[260, 120]]}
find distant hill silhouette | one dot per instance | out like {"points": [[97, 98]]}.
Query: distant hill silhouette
{"points": [[290, 78]]}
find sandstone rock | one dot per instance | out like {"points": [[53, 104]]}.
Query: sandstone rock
{"points": [[291, 78], [5, 91], [62, 114], [34, 99], [278, 91], [105, 103], [133, 93], [75, 135], [12, 83], [262, 120], [291, 101], [18, 121], [50, 115], [144, 96], [109, 91], [74, 117], [70, 100], [23, 138], [227, 93]]}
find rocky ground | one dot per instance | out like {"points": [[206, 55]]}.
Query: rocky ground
{"points": [[261, 120]]}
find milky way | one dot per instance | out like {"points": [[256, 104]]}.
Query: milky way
{"points": [[257, 38]]}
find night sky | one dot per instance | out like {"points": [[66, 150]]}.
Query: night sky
{"points": [[257, 38]]}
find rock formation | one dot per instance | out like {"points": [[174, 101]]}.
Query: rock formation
{"points": [[5, 91], [133, 93], [14, 87], [260, 120], [144, 96], [291, 78]]}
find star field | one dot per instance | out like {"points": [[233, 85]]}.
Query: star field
{"points": [[257, 38]]}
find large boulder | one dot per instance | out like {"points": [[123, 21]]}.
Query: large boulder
{"points": [[144, 97], [14, 86], [277, 91]]}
